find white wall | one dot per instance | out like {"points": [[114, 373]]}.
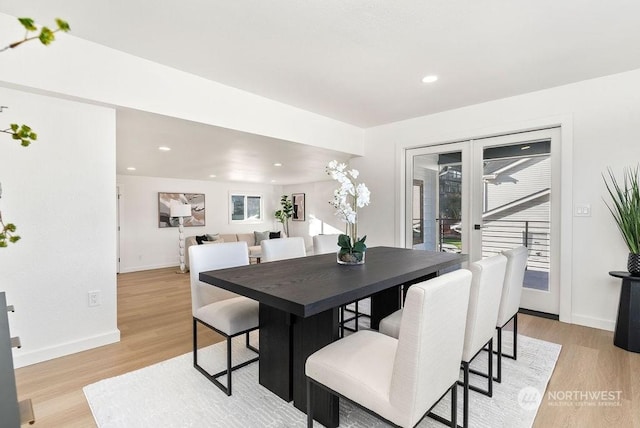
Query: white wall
{"points": [[143, 245], [601, 118], [320, 215], [78, 68], [60, 192]]}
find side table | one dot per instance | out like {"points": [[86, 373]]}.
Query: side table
{"points": [[627, 334]]}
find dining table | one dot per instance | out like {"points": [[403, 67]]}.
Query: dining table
{"points": [[299, 301]]}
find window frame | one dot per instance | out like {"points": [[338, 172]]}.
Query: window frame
{"points": [[245, 195]]}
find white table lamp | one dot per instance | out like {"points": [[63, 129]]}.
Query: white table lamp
{"points": [[181, 211]]}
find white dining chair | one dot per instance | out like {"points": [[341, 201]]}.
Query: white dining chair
{"points": [[402, 379], [510, 301], [282, 248], [484, 299], [222, 311], [328, 244]]}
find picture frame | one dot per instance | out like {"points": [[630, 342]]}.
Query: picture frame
{"points": [[196, 200], [298, 207]]}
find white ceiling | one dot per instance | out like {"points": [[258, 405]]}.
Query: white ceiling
{"points": [[199, 150], [361, 61]]}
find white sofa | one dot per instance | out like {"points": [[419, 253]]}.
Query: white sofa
{"points": [[249, 238]]}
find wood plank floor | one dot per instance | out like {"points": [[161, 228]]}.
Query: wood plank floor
{"points": [[154, 317]]}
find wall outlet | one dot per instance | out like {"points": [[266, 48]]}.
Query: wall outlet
{"points": [[582, 210], [94, 298]]}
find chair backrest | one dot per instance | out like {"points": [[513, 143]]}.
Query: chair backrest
{"points": [[282, 248], [427, 360], [324, 244], [513, 280], [211, 257], [484, 302]]}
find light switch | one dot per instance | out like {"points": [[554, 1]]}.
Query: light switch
{"points": [[582, 210]]}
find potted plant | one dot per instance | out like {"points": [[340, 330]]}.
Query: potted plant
{"points": [[346, 200], [283, 215], [625, 208]]}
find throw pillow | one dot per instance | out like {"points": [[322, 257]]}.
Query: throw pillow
{"points": [[201, 239], [213, 237], [261, 236], [217, 241], [274, 235]]}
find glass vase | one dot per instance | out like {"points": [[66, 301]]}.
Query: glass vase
{"points": [[345, 257]]}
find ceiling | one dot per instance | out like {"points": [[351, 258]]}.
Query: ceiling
{"points": [[362, 61]]}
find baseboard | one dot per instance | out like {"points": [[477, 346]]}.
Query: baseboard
{"points": [[21, 359], [599, 323], [148, 267], [538, 314]]}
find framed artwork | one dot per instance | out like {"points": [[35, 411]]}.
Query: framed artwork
{"points": [[298, 206], [196, 200]]}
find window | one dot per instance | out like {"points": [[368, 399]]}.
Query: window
{"points": [[245, 208]]}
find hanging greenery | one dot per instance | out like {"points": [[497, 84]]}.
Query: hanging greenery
{"points": [[24, 133]]}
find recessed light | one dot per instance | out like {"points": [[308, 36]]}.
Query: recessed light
{"points": [[273, 181], [131, 168], [429, 79], [212, 176], [277, 164], [164, 148]]}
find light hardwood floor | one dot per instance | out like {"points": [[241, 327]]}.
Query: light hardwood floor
{"points": [[154, 318]]}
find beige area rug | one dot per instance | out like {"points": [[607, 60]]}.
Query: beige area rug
{"points": [[173, 394]]}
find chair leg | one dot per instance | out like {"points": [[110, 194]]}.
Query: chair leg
{"points": [[498, 378], [490, 371], [356, 316], [341, 321], [515, 336], [195, 343], [465, 395], [228, 366], [488, 375], [454, 405], [309, 405]]}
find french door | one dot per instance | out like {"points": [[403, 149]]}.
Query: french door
{"points": [[483, 196]]}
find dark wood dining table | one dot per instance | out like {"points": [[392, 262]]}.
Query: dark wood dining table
{"points": [[299, 301]]}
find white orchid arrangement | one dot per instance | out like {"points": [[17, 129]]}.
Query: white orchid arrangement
{"points": [[346, 200]]}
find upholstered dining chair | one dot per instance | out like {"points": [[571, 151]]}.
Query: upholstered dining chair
{"points": [[282, 248], [402, 379], [484, 300], [510, 301], [222, 311], [326, 244]]}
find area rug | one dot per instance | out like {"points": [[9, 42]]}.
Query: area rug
{"points": [[173, 394]]}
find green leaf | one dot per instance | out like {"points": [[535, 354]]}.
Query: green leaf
{"points": [[28, 24], [14, 239], [14, 127], [3, 244], [10, 227], [33, 136], [359, 247], [63, 25], [344, 241], [46, 36]]}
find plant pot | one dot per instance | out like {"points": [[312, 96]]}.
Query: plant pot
{"points": [[633, 264], [350, 258]]}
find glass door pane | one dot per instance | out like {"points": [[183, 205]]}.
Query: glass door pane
{"points": [[435, 201], [517, 206]]}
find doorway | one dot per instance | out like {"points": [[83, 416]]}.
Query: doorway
{"points": [[483, 196]]}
